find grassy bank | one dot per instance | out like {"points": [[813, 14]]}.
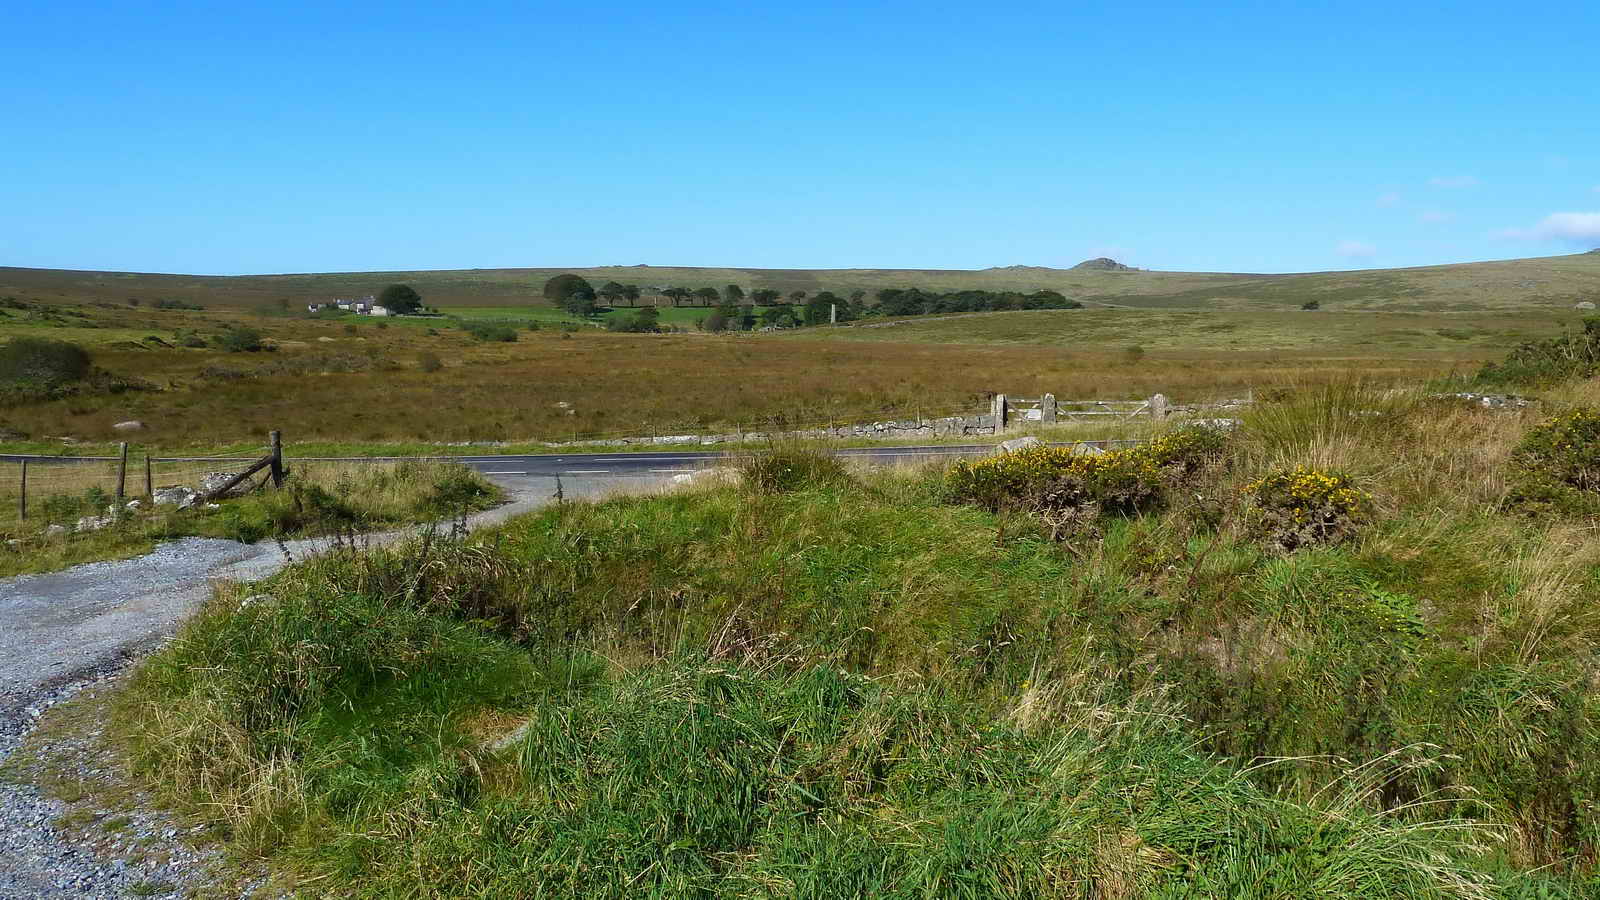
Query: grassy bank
{"points": [[317, 499], [825, 684]]}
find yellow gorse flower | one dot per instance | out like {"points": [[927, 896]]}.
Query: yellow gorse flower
{"points": [[1305, 492]]}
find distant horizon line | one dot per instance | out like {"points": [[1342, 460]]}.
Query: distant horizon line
{"points": [[1129, 270]]}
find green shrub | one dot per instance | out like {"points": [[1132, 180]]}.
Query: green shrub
{"points": [[645, 320], [455, 488], [1557, 464], [1550, 360], [491, 332], [42, 362], [64, 509], [784, 470], [240, 339]]}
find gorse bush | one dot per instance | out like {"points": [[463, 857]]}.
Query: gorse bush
{"points": [[1305, 507], [1071, 488], [1557, 464]]}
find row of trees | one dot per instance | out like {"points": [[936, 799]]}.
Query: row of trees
{"points": [[735, 308], [915, 302]]}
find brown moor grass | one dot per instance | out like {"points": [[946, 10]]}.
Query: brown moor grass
{"points": [[630, 384]]}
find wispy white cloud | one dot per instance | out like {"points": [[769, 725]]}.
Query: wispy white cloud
{"points": [[1353, 249], [1453, 181], [1435, 216], [1567, 227], [1392, 199]]}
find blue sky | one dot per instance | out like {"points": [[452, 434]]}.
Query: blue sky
{"points": [[213, 138]]}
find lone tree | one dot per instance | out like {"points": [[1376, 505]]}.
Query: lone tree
{"points": [[733, 294], [707, 295], [580, 302], [401, 299], [561, 288]]}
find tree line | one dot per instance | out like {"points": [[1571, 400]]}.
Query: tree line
{"points": [[736, 309]]}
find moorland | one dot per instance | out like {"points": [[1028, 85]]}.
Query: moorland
{"points": [[481, 372], [1344, 646]]}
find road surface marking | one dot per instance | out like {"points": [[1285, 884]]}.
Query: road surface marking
{"points": [[587, 472], [505, 473]]}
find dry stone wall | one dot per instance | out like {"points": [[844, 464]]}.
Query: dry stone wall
{"points": [[949, 426]]}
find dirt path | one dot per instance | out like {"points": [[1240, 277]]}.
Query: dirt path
{"points": [[62, 631]]}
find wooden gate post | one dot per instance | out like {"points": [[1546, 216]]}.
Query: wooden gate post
{"points": [[1158, 406], [999, 413], [122, 470], [277, 459], [1047, 410], [149, 480]]}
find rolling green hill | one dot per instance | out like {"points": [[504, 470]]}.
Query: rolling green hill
{"points": [[1548, 284]]}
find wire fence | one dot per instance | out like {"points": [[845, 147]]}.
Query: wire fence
{"points": [[62, 488]]}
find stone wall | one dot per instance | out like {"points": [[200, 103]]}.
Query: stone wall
{"points": [[949, 426]]}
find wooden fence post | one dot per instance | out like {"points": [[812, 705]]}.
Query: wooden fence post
{"points": [[277, 459], [1047, 410], [149, 480], [122, 470], [1158, 406], [22, 501], [999, 413]]}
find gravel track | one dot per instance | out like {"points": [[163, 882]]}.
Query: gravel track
{"points": [[63, 632]]}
